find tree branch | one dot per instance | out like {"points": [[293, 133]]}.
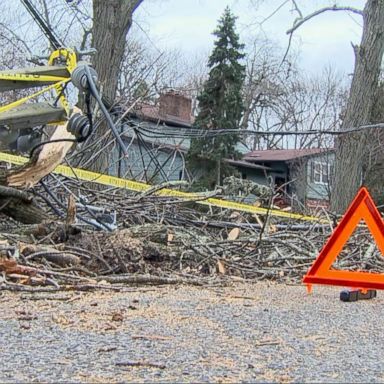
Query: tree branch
{"points": [[301, 21], [12, 192], [17, 38]]}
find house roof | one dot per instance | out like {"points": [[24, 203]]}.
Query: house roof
{"points": [[246, 164], [283, 154]]}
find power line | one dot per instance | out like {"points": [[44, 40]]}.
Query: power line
{"points": [[53, 39], [174, 132]]}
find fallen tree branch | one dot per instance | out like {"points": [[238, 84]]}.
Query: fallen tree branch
{"points": [[147, 279]]}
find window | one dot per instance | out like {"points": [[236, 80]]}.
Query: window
{"points": [[321, 172]]}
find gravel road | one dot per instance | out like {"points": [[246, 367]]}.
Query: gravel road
{"points": [[244, 333]]}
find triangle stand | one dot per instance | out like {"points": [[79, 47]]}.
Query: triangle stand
{"points": [[362, 208]]}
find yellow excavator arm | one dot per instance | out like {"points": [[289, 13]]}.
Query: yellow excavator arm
{"points": [[54, 76]]}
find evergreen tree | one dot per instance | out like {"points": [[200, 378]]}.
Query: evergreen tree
{"points": [[220, 106]]}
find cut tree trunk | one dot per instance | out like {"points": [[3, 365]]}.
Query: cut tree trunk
{"points": [[17, 203], [352, 150], [50, 156]]}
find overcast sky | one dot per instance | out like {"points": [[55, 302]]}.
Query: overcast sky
{"points": [[188, 24]]}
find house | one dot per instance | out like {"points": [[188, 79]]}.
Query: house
{"points": [[156, 151], [302, 176]]}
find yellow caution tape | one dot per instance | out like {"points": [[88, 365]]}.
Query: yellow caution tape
{"points": [[31, 77], [142, 187]]}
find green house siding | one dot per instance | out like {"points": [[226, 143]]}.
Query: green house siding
{"points": [[146, 165], [319, 184], [160, 150], [254, 175]]}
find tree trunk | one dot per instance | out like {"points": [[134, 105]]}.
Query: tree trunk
{"points": [[353, 149], [112, 20], [374, 162]]}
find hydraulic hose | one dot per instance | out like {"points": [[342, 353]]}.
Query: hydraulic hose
{"points": [[96, 95]]}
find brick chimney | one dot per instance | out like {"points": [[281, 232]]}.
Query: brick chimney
{"points": [[175, 106]]}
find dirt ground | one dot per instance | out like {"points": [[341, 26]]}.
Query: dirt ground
{"points": [[260, 332]]}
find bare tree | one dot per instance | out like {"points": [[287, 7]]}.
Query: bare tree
{"points": [[354, 149], [280, 97], [146, 71]]}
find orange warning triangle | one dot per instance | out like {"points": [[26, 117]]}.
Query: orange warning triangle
{"points": [[362, 208]]}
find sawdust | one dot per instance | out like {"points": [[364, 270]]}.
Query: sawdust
{"points": [[248, 332]]}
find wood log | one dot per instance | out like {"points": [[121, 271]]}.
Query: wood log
{"points": [[22, 210]]}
